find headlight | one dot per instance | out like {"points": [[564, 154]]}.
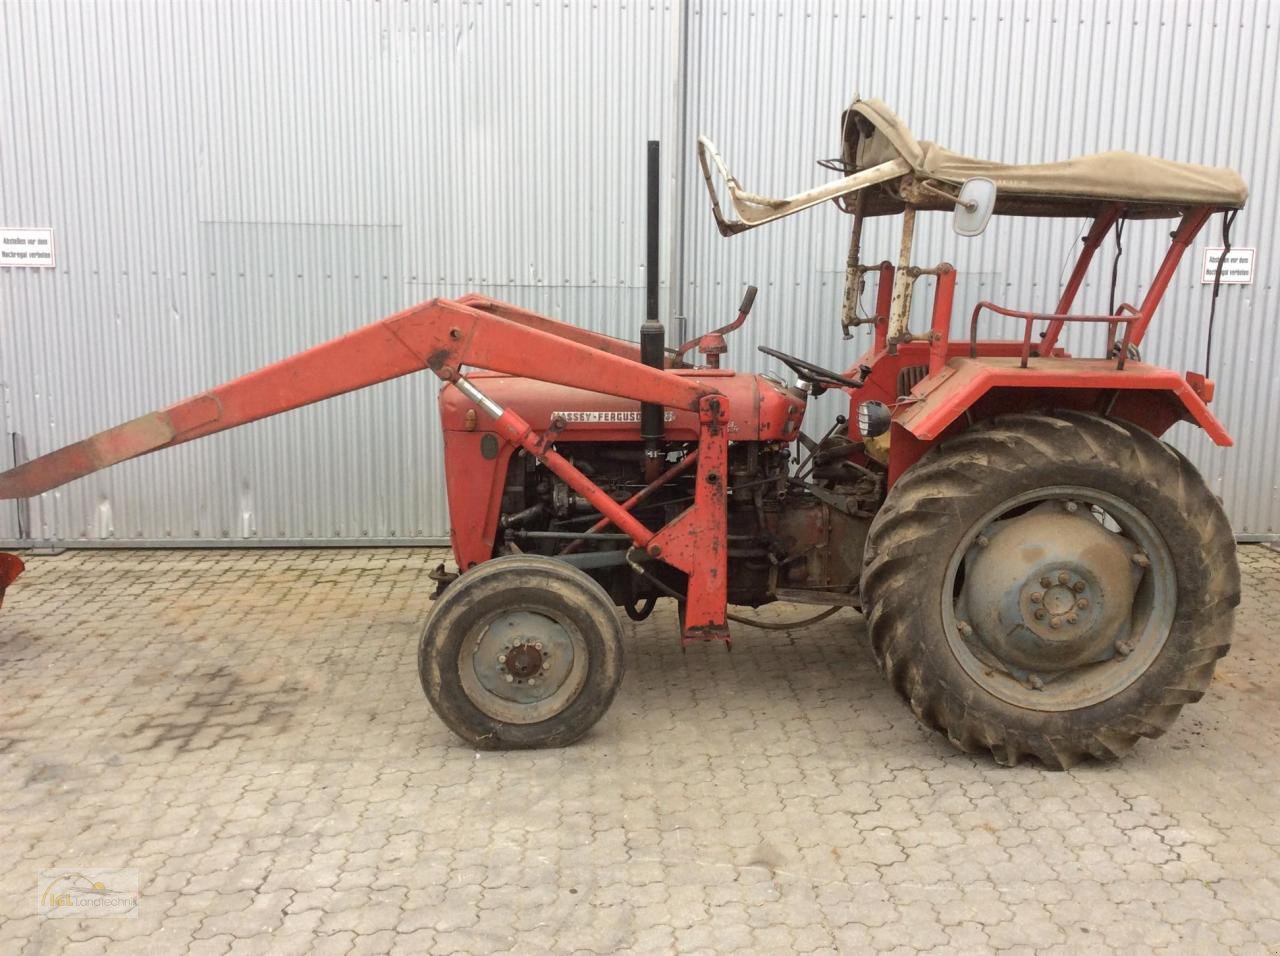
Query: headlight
{"points": [[873, 419]]}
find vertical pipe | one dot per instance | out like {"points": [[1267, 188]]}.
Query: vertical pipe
{"points": [[884, 302], [652, 264], [900, 310], [854, 281], [652, 335], [944, 294]]}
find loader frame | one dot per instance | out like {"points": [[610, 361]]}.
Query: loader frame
{"points": [[443, 336]]}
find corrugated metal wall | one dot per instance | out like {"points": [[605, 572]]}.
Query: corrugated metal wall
{"points": [[230, 182]]}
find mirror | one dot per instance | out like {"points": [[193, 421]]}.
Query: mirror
{"points": [[974, 206]]}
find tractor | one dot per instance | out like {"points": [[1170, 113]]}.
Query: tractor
{"points": [[1042, 576]]}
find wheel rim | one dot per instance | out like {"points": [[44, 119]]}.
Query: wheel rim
{"points": [[1059, 598], [524, 666]]}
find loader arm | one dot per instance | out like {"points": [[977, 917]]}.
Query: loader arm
{"points": [[441, 336]]}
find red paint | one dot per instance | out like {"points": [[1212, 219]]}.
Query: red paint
{"points": [[697, 541], [1126, 315], [1101, 226], [1146, 395], [940, 328], [439, 335], [1192, 222], [10, 567], [884, 302], [760, 410]]}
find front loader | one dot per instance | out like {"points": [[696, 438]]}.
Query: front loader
{"points": [[1042, 576]]}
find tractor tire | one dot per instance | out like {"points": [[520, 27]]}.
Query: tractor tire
{"points": [[1051, 586], [521, 652]]}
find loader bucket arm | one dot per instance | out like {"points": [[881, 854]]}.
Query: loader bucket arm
{"points": [[441, 335]]}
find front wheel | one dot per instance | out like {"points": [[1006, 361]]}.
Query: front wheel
{"points": [[1050, 586], [522, 651]]}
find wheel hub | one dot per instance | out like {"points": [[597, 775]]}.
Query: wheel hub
{"points": [[523, 667], [523, 661], [1048, 590]]}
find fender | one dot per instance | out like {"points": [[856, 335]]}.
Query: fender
{"points": [[1146, 395]]}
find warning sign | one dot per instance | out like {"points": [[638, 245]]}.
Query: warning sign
{"points": [[26, 247], [1238, 268]]}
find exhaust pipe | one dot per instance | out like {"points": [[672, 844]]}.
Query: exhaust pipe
{"points": [[653, 338]]}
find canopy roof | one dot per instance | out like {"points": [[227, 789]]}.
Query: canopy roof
{"points": [[1147, 187]]}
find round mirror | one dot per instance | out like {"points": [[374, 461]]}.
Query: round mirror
{"points": [[974, 206]]}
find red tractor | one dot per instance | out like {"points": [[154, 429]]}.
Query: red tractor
{"points": [[1042, 576]]}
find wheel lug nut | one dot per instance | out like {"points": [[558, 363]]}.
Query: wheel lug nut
{"points": [[1124, 648], [1056, 622], [1072, 507], [1035, 682], [1082, 603], [964, 628], [1040, 614], [502, 658], [533, 680], [538, 646], [1141, 560], [1046, 582], [983, 541], [1063, 577], [1078, 587], [1036, 597], [1073, 617], [510, 678]]}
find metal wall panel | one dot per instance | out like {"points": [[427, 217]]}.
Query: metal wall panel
{"points": [[230, 182]]}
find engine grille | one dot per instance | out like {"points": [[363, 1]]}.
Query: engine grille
{"points": [[910, 377]]}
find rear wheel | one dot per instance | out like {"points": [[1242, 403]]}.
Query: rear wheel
{"points": [[1050, 586], [521, 651]]}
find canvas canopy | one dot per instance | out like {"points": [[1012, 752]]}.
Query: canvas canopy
{"points": [[1146, 186], [887, 169]]}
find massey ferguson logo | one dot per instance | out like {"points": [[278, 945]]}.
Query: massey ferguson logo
{"points": [[620, 418], [611, 418]]}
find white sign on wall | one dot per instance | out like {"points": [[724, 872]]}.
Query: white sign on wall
{"points": [[1238, 268], [26, 247]]}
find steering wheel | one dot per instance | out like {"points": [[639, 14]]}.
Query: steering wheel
{"points": [[813, 374]]}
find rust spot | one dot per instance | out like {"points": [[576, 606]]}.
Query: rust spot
{"points": [[436, 360]]}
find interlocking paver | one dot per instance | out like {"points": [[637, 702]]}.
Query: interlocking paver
{"points": [[246, 730]]}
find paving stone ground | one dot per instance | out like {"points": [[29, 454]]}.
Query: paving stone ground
{"points": [[246, 731]]}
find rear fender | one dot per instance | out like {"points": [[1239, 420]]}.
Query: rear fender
{"points": [[969, 389]]}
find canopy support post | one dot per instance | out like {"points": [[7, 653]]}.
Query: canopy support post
{"points": [[900, 306], [1101, 226], [854, 280], [1193, 221]]}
